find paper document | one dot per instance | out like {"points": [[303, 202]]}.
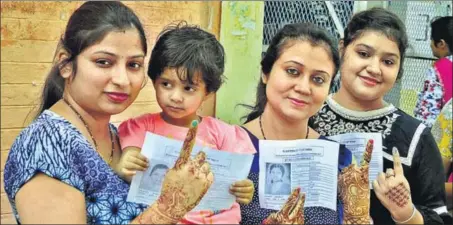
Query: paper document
{"points": [[356, 142], [309, 164], [163, 152]]}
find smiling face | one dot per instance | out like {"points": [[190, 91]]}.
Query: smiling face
{"points": [[109, 73], [370, 67], [299, 81]]}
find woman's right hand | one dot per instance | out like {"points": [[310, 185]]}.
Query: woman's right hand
{"points": [[183, 187], [292, 211]]}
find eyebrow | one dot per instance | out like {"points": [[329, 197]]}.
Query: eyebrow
{"points": [[112, 54], [302, 65], [372, 49], [183, 82]]}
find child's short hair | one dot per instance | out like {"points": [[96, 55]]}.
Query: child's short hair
{"points": [[189, 50]]}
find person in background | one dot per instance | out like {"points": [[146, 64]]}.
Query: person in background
{"points": [[438, 86], [442, 132]]}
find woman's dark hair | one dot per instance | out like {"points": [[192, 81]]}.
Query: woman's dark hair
{"points": [[442, 29], [285, 38], [87, 25], [189, 50], [380, 20]]}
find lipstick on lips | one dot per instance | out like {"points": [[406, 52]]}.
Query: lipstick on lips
{"points": [[117, 96], [298, 102], [369, 81]]}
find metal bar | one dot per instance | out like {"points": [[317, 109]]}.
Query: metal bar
{"points": [[335, 19]]}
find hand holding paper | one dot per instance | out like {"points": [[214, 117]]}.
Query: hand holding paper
{"points": [[185, 184], [354, 189]]}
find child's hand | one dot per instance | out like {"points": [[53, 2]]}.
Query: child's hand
{"points": [[243, 190], [131, 161]]}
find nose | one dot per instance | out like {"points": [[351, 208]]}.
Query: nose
{"points": [[176, 96], [302, 85], [373, 67], [120, 77]]}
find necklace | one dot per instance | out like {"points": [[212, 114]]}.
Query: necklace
{"points": [[91, 134], [264, 136]]}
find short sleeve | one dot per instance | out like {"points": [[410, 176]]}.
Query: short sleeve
{"points": [[41, 148], [132, 132], [236, 139]]}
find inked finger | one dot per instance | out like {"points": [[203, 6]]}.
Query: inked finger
{"points": [[368, 152], [291, 202], [397, 166], [189, 142]]}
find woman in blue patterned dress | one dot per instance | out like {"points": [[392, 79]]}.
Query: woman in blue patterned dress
{"points": [[59, 169]]}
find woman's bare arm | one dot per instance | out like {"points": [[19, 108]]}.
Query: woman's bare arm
{"points": [[45, 200]]}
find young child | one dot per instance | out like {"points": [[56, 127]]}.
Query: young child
{"points": [[186, 67]]}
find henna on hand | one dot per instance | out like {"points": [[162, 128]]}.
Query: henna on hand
{"points": [[187, 146], [184, 185], [292, 211], [354, 190], [399, 195]]}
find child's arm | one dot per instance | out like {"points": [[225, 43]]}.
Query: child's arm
{"points": [[131, 161]]}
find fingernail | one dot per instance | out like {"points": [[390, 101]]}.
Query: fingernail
{"points": [[371, 141], [395, 151], [194, 123]]}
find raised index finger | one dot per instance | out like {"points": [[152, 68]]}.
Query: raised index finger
{"points": [[187, 146], [368, 152], [397, 166]]}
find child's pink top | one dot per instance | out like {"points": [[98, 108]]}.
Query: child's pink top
{"points": [[211, 132]]}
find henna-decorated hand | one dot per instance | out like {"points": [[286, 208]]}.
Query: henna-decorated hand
{"points": [[354, 189], [393, 190], [292, 211], [184, 185]]}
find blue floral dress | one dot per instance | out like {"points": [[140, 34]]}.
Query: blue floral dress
{"points": [[53, 146]]}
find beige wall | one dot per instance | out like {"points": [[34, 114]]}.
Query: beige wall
{"points": [[29, 35]]}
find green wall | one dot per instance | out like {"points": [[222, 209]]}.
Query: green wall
{"points": [[241, 34]]}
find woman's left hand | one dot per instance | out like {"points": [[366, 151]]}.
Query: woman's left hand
{"points": [[243, 190], [292, 211], [354, 190], [393, 190]]}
